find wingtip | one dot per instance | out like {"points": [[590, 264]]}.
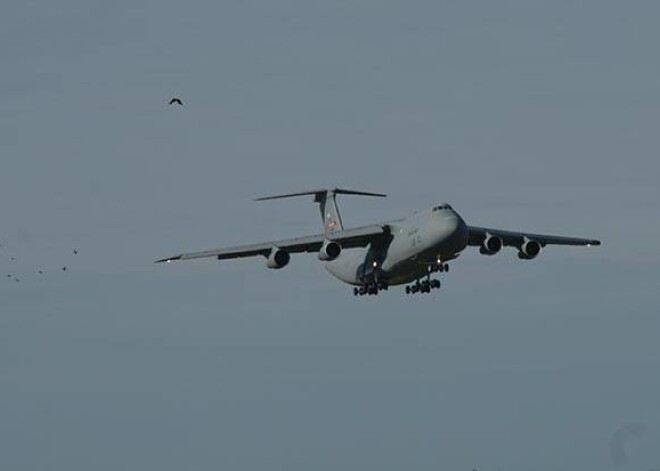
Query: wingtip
{"points": [[168, 259]]}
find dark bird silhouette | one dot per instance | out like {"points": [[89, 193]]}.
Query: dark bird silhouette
{"points": [[176, 100], [75, 252], [64, 268], [9, 276], [13, 259], [620, 439], [41, 272]]}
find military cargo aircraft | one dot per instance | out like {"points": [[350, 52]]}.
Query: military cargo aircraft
{"points": [[407, 251]]}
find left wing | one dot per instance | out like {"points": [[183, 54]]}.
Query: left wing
{"points": [[477, 235], [348, 238]]}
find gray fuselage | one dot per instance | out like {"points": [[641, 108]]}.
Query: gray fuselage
{"points": [[414, 244]]}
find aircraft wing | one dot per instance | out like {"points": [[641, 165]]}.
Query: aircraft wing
{"points": [[510, 238], [347, 238]]}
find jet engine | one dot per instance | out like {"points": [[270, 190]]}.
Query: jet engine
{"points": [[491, 245], [329, 251], [278, 258], [529, 249]]}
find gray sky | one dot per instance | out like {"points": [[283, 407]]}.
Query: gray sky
{"points": [[535, 115]]}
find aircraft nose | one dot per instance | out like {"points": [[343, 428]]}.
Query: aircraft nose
{"points": [[450, 223], [453, 230]]}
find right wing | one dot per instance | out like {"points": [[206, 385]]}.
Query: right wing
{"points": [[512, 238], [348, 238]]}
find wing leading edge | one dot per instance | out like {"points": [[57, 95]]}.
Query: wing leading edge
{"points": [[515, 239], [348, 238]]}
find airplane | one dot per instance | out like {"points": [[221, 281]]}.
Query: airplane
{"points": [[405, 251]]}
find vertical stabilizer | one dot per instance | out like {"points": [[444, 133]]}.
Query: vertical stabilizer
{"points": [[329, 211], [325, 197]]}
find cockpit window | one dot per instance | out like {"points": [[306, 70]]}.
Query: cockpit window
{"points": [[442, 206]]}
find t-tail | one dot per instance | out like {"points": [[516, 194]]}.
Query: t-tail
{"points": [[325, 197]]}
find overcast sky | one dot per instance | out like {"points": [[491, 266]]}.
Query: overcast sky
{"points": [[524, 115]]}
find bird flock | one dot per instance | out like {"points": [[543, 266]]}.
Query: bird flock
{"points": [[13, 275]]}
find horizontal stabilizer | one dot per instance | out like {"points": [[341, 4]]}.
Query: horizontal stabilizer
{"points": [[321, 191]]}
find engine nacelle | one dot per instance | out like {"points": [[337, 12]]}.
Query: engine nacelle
{"points": [[529, 249], [278, 258], [491, 245], [329, 251]]}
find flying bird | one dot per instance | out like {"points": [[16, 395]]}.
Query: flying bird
{"points": [[621, 438], [176, 100], [75, 252], [64, 268]]}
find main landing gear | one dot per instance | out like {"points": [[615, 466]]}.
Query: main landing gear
{"points": [[428, 284], [425, 285], [372, 289], [422, 286]]}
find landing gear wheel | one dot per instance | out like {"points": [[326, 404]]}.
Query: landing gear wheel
{"points": [[435, 284], [355, 291], [407, 289], [446, 267]]}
